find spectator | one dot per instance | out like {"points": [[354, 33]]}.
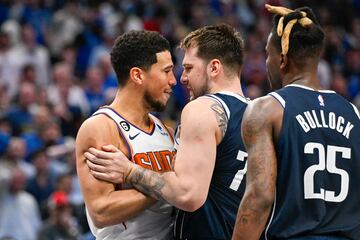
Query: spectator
{"points": [[60, 224], [42, 184], [20, 217]]}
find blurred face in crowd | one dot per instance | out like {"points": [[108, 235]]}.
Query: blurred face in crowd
{"points": [[27, 94], [159, 81], [17, 182], [4, 41], [194, 75], [41, 162], [94, 77], [16, 148]]}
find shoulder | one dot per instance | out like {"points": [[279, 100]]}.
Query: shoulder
{"points": [[205, 116], [94, 125], [200, 109], [201, 105], [96, 129], [264, 103], [262, 113]]}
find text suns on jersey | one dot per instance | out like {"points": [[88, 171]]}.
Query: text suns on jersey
{"points": [[158, 161]]}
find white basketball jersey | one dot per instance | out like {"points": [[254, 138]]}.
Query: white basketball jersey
{"points": [[152, 150]]}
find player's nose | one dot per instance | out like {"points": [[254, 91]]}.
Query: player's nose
{"points": [[172, 80], [184, 79]]}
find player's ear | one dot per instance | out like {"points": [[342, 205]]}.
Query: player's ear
{"points": [[136, 75], [214, 66], [283, 61]]}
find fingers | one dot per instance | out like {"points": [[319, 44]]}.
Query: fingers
{"points": [[110, 148], [96, 167], [94, 159], [99, 153], [101, 176]]}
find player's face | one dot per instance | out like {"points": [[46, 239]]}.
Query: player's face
{"points": [[160, 80], [194, 75], [273, 64]]}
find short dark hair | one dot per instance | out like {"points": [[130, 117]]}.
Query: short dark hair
{"points": [[136, 49], [217, 41], [303, 42]]}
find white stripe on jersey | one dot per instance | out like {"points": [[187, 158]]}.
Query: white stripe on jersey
{"points": [[279, 98]]}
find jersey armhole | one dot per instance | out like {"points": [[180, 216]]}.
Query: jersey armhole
{"points": [[279, 98], [121, 134], [356, 110]]}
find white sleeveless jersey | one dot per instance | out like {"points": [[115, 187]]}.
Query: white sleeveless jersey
{"points": [[152, 150]]}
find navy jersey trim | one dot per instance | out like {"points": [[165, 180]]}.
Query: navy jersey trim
{"points": [[309, 88], [148, 133], [222, 103]]}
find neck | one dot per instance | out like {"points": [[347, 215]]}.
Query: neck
{"points": [[131, 106], [305, 78], [227, 84]]}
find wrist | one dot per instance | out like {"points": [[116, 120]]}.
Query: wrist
{"points": [[131, 170]]}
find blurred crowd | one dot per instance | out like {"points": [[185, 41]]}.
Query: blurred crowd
{"points": [[55, 71]]}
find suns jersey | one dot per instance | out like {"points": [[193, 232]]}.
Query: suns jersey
{"points": [[216, 218], [152, 150], [318, 166]]}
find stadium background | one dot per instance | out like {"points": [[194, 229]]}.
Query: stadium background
{"points": [[55, 71]]}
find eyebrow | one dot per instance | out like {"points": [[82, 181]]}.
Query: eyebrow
{"points": [[168, 67], [187, 65]]}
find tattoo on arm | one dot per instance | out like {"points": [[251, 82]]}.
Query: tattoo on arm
{"points": [[148, 182], [255, 207], [220, 117]]}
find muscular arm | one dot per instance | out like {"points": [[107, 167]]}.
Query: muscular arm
{"points": [[259, 122], [106, 205], [203, 123]]}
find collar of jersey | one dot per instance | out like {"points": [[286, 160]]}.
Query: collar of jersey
{"points": [[309, 88], [152, 123], [238, 96]]}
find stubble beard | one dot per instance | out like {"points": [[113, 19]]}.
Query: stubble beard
{"points": [[203, 90], [154, 105]]}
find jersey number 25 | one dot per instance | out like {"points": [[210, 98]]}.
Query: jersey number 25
{"points": [[327, 160]]}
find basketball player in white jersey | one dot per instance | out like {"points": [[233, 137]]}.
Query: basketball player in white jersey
{"points": [[143, 65]]}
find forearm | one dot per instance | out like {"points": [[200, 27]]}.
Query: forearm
{"points": [[118, 206], [164, 186], [252, 216]]}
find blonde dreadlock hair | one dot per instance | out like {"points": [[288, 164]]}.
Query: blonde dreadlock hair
{"points": [[298, 28]]}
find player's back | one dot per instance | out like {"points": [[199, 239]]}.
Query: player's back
{"points": [[318, 152], [216, 218]]}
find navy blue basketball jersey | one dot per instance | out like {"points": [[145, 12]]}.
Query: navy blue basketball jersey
{"points": [[318, 166], [216, 218]]}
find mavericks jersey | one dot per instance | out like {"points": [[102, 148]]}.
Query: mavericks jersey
{"points": [[152, 150], [318, 166], [216, 218]]}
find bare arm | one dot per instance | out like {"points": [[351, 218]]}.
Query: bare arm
{"points": [[106, 205], [257, 129], [203, 123]]}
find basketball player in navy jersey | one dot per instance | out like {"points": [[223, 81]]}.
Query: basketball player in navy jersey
{"points": [[207, 181], [303, 144], [143, 65]]}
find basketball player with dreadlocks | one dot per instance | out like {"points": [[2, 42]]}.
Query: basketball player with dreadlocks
{"points": [[302, 143]]}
